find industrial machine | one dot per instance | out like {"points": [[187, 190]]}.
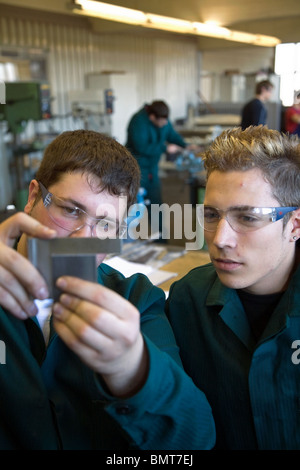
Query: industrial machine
{"points": [[24, 101], [107, 103]]}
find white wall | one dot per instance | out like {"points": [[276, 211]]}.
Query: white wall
{"points": [[245, 60], [165, 69]]}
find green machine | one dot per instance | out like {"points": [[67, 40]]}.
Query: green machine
{"points": [[24, 101]]}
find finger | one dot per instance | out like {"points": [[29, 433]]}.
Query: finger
{"points": [[76, 330], [18, 275], [96, 317], [99, 295], [10, 303], [88, 355], [19, 223], [13, 297]]}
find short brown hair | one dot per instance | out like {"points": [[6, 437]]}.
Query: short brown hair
{"points": [[95, 154], [159, 108], [276, 154], [264, 84]]}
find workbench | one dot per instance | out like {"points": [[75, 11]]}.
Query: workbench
{"points": [[183, 264]]}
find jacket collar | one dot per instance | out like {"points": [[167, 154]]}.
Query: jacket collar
{"points": [[229, 307]]}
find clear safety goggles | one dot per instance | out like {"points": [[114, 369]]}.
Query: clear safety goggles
{"points": [[241, 219], [72, 218]]}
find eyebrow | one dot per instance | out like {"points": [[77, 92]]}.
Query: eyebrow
{"points": [[239, 208], [72, 201], [243, 208]]}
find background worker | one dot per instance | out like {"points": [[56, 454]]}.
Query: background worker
{"points": [[149, 135], [292, 117], [237, 319], [100, 368], [254, 112]]}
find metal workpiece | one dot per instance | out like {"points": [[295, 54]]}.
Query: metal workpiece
{"points": [[68, 256]]}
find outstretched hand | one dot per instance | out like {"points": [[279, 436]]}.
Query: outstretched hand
{"points": [[103, 329]]}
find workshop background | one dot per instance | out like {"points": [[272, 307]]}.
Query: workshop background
{"points": [[87, 72]]}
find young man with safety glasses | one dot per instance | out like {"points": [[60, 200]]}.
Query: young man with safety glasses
{"points": [[237, 319], [100, 368]]}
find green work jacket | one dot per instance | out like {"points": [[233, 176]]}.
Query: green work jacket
{"points": [[51, 400], [148, 142], [252, 387]]}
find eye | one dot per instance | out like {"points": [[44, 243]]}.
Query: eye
{"points": [[210, 214], [246, 218], [108, 225], [105, 226], [70, 211]]}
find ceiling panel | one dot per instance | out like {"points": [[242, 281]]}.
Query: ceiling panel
{"points": [[280, 18]]}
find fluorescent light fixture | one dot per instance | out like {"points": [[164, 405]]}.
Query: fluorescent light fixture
{"points": [[211, 30], [168, 24], [110, 12]]}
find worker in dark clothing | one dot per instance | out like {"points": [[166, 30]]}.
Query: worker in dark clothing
{"points": [[149, 135], [254, 112]]}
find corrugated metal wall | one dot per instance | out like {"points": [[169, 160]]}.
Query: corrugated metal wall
{"points": [[165, 69]]}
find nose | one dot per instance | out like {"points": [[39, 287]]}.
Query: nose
{"points": [[224, 235]]}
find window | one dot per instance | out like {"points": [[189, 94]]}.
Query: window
{"points": [[287, 65]]}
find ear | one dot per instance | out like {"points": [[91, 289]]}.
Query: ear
{"points": [[33, 192], [295, 221]]}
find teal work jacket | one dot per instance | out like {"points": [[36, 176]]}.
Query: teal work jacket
{"points": [[148, 142], [51, 400], [252, 387]]}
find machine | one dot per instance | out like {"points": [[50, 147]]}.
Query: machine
{"points": [[107, 103], [24, 101]]}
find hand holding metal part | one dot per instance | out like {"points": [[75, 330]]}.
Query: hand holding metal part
{"points": [[20, 281]]}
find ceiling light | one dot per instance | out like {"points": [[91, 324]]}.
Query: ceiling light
{"points": [[168, 24], [110, 12], [212, 30]]}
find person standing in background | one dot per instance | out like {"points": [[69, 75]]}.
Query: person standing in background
{"points": [[149, 135], [254, 112], [292, 116]]}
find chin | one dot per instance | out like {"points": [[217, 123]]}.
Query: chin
{"points": [[232, 282]]}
